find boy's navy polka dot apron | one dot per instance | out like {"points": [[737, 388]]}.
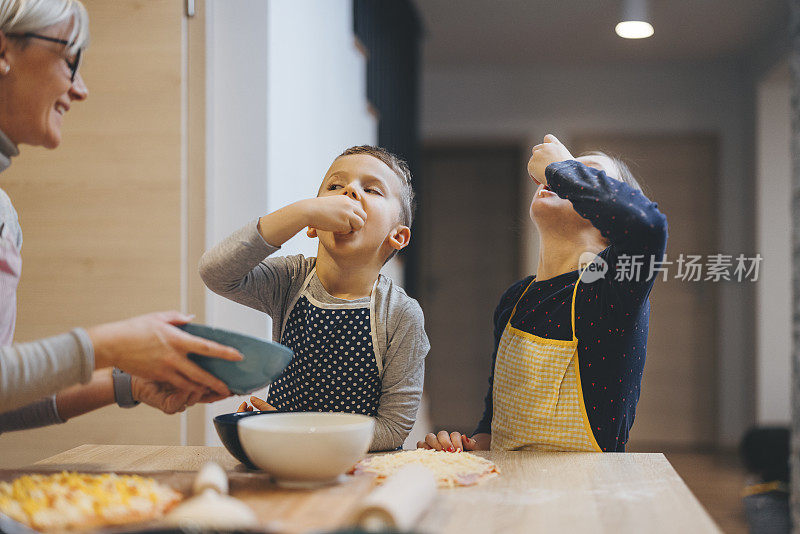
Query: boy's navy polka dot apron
{"points": [[334, 368]]}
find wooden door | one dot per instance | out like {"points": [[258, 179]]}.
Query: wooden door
{"points": [[678, 400], [467, 235], [105, 217]]}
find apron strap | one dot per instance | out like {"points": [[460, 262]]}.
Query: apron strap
{"points": [[514, 311], [294, 300], [572, 307], [373, 328], [574, 294]]}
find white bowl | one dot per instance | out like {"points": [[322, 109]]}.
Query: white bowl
{"points": [[306, 448]]}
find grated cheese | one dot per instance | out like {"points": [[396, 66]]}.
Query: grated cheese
{"points": [[75, 500]]}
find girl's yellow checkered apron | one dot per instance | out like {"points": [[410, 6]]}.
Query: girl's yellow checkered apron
{"points": [[538, 402]]}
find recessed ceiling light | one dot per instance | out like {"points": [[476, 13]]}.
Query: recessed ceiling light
{"points": [[635, 20], [634, 29]]}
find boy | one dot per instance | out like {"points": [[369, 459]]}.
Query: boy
{"points": [[359, 340]]}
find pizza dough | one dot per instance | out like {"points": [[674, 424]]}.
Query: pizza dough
{"points": [[451, 469], [66, 501]]}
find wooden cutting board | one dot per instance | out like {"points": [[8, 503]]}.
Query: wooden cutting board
{"points": [[281, 510]]}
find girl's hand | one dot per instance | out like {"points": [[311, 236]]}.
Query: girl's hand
{"points": [[258, 404], [339, 214], [149, 346], [551, 151], [455, 441]]}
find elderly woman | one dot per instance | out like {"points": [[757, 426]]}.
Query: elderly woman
{"points": [[570, 341], [50, 380]]}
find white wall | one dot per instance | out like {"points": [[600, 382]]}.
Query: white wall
{"points": [[317, 104], [494, 102], [286, 94], [236, 151], [774, 242], [236, 172]]}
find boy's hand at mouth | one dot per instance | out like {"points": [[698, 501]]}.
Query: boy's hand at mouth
{"points": [[550, 151], [339, 214]]}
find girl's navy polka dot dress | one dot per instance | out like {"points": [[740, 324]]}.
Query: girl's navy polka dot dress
{"points": [[611, 315], [334, 367]]}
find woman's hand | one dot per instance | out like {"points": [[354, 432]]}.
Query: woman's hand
{"points": [[150, 346], [258, 404], [339, 214], [161, 396], [455, 441], [166, 398], [551, 151]]}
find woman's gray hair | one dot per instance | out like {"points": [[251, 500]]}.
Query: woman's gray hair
{"points": [[18, 17]]}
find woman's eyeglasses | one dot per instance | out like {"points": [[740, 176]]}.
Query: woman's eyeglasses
{"points": [[72, 64]]}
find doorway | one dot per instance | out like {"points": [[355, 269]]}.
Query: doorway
{"points": [[467, 249]]}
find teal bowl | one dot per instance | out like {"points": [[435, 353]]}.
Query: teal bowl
{"points": [[263, 360]]}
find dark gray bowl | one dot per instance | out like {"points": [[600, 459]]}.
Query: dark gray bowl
{"points": [[226, 426]]}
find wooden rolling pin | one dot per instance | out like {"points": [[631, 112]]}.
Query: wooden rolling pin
{"points": [[399, 502]]}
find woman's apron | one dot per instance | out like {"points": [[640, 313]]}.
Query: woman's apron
{"points": [[335, 367], [538, 401], [10, 271]]}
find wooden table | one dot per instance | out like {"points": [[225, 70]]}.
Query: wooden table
{"points": [[536, 492]]}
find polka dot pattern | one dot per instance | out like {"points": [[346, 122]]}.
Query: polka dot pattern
{"points": [[611, 316], [334, 367], [611, 326]]}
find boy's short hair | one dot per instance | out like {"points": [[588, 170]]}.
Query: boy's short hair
{"points": [[623, 174], [408, 202]]}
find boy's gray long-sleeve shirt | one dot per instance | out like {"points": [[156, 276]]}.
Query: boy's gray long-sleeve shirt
{"points": [[239, 269]]}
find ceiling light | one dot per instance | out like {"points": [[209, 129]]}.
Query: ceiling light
{"points": [[635, 21]]}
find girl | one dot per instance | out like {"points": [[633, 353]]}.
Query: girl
{"points": [[570, 342]]}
